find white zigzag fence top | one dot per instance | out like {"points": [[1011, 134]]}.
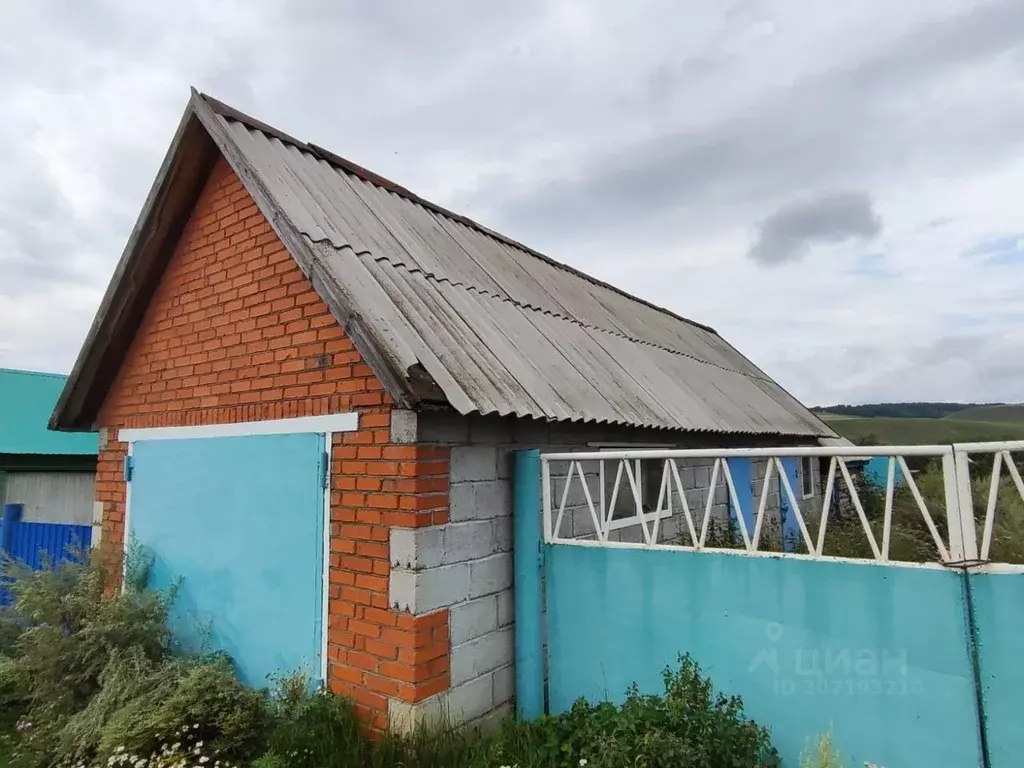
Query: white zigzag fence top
{"points": [[604, 498]]}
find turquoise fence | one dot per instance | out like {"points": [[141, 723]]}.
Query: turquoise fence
{"points": [[910, 665]]}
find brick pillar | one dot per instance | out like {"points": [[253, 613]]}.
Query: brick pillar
{"points": [[376, 653]]}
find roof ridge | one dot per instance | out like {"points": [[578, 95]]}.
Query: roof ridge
{"points": [[333, 159], [543, 310]]}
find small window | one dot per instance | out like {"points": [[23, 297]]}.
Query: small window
{"points": [[647, 473], [807, 476]]}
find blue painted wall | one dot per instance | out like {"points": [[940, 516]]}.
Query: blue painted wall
{"points": [[240, 521], [999, 622], [740, 470], [791, 534], [879, 652], [876, 470]]}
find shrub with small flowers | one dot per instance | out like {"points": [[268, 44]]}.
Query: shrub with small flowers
{"points": [[186, 750]]}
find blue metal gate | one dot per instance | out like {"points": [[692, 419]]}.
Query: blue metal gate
{"points": [[39, 544]]}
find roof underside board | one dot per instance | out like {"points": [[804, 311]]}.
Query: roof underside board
{"points": [[501, 329]]}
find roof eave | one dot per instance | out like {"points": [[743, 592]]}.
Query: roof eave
{"points": [[164, 214], [198, 140]]}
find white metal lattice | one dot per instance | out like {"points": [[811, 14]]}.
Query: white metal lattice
{"points": [[605, 524]]}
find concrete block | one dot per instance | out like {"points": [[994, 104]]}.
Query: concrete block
{"points": [[490, 575], [416, 549], [506, 608], [488, 430], [721, 494], [502, 536], [403, 426], [493, 499], [425, 591], [402, 590], [476, 462], [689, 478], [670, 528], [504, 684], [475, 618], [695, 498], [462, 503], [702, 476], [492, 721], [445, 428], [530, 433], [470, 703], [582, 522], [506, 461], [468, 541], [480, 656], [471, 700]]}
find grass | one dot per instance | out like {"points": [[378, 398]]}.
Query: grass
{"points": [[885, 431], [8, 719], [1004, 414]]}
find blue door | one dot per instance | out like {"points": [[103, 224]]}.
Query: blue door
{"points": [[739, 469], [238, 522]]}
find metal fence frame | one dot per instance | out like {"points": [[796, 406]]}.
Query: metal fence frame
{"points": [[963, 548]]}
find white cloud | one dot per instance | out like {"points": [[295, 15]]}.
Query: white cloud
{"points": [[642, 142]]}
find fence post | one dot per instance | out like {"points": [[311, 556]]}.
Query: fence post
{"points": [[12, 516], [526, 505], [963, 538]]}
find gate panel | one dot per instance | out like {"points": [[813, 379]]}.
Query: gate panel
{"points": [[806, 644], [239, 520], [999, 621]]}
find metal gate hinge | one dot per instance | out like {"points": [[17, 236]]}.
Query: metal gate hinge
{"points": [[324, 467], [128, 467]]}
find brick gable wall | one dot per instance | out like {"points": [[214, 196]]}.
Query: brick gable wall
{"points": [[235, 332]]}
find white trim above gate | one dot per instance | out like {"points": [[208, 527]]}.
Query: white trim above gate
{"points": [[332, 422]]}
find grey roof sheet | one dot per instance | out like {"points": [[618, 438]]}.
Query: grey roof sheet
{"points": [[502, 329]]}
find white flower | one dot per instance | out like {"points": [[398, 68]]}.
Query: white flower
{"points": [[199, 743], [195, 727], [583, 762]]}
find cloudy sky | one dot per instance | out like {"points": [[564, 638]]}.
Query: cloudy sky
{"points": [[836, 187]]}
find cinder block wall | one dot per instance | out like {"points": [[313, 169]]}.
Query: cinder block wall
{"points": [[465, 565]]}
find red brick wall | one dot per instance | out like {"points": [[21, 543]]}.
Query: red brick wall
{"points": [[235, 332]]}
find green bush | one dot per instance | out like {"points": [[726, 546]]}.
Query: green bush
{"points": [[312, 731], [92, 671], [688, 725]]}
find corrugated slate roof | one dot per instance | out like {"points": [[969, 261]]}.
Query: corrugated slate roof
{"points": [[444, 308], [26, 402]]}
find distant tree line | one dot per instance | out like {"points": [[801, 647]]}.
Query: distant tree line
{"points": [[897, 410]]}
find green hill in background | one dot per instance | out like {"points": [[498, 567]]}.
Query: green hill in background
{"points": [[922, 410], [897, 431], [1007, 414]]}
